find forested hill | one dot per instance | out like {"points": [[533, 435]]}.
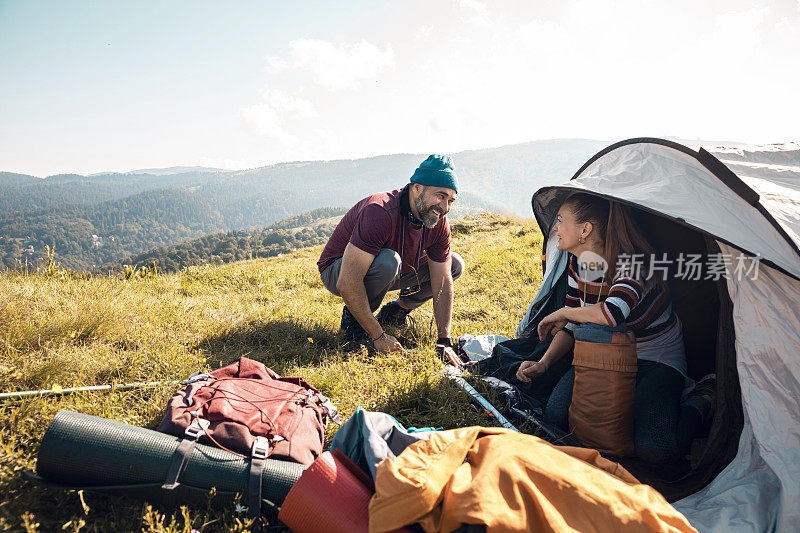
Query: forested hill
{"points": [[13, 179], [505, 176], [101, 219], [85, 236], [300, 231], [19, 192]]}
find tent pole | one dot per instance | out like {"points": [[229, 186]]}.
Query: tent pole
{"points": [[92, 388], [475, 395]]}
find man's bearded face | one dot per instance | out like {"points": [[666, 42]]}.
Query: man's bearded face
{"points": [[429, 213]]}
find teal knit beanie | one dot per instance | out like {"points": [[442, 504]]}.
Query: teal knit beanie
{"points": [[436, 171]]}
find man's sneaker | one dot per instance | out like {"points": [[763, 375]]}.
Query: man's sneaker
{"points": [[702, 397], [352, 332], [392, 315]]}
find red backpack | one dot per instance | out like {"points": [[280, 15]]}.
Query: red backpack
{"points": [[232, 406]]}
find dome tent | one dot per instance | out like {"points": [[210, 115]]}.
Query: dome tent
{"points": [[745, 327]]}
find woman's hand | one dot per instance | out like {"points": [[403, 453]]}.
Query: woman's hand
{"points": [[530, 368], [551, 324]]}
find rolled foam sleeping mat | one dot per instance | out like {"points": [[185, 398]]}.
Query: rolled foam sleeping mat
{"points": [[329, 497], [80, 450]]}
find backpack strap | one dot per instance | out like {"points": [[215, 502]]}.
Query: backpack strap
{"points": [[330, 409], [184, 451], [258, 460]]}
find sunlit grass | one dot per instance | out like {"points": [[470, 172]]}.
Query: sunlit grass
{"points": [[75, 332]]}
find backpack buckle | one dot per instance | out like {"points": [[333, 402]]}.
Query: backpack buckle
{"points": [[198, 377], [260, 448], [197, 427], [333, 413]]}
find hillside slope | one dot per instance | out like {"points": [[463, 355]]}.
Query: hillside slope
{"points": [[88, 235], [77, 332], [308, 229]]}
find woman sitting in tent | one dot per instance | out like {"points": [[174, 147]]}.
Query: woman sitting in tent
{"points": [[663, 425]]}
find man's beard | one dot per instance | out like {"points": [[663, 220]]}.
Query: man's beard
{"points": [[429, 215]]}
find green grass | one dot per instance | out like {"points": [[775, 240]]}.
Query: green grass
{"points": [[76, 332]]}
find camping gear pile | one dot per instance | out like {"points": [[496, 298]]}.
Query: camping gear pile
{"points": [[378, 476], [83, 452], [264, 430]]}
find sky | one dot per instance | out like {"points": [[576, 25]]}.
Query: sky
{"points": [[92, 86]]}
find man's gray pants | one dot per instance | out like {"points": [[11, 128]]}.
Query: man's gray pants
{"points": [[384, 276]]}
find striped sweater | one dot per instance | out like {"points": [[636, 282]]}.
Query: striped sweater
{"points": [[648, 315]]}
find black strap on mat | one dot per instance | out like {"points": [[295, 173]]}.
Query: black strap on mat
{"points": [[183, 452], [258, 460], [37, 480]]}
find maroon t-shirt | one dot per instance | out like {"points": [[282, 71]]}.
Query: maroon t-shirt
{"points": [[376, 222]]}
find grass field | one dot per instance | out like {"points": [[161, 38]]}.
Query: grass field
{"points": [[70, 332]]}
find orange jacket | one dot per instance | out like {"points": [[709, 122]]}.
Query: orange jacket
{"points": [[512, 482]]}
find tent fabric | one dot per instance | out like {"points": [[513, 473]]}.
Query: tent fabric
{"points": [[555, 264], [759, 489], [510, 481], [780, 197], [671, 182]]}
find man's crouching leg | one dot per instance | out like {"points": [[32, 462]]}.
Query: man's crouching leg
{"points": [[381, 275], [395, 313]]}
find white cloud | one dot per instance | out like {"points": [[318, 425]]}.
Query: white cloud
{"points": [[268, 118], [335, 67], [479, 8], [425, 31], [472, 75], [737, 34], [478, 12]]}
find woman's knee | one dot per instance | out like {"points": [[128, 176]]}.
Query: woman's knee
{"points": [[556, 412], [651, 451]]}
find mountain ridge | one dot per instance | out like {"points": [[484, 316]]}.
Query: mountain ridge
{"points": [[53, 210]]}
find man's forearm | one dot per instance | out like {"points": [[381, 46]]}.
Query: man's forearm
{"points": [[355, 298], [443, 307]]}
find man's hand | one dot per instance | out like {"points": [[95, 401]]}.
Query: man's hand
{"points": [[446, 352], [551, 324], [529, 369], [448, 355], [387, 343]]}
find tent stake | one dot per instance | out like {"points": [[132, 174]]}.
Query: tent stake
{"points": [[58, 392]]}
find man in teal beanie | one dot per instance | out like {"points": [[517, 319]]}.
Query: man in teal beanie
{"points": [[396, 240]]}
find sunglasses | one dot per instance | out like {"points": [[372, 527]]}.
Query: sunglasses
{"points": [[414, 289]]}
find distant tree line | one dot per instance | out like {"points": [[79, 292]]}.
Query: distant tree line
{"points": [[307, 229], [86, 236], [132, 213]]}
